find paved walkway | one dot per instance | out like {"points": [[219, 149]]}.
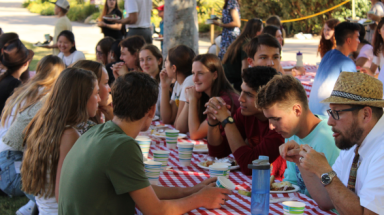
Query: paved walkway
{"points": [[32, 27]]}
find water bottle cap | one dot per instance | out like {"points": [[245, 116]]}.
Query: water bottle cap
{"points": [[299, 53], [263, 157], [259, 164]]}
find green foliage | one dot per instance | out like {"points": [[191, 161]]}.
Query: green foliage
{"points": [[45, 8], [9, 206], [79, 12], [204, 8], [292, 9]]}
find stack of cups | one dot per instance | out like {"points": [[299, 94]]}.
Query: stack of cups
{"points": [[185, 153], [152, 171], [144, 143], [219, 169], [171, 137], [162, 157]]}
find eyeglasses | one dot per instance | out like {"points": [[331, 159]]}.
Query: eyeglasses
{"points": [[335, 113], [99, 52]]}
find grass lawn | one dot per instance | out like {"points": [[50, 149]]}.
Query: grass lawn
{"points": [[42, 52], [9, 206]]}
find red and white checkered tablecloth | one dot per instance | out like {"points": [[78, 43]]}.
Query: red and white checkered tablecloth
{"points": [[238, 204], [307, 79]]}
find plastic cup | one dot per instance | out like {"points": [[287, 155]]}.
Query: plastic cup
{"points": [[223, 182], [152, 171], [152, 165], [219, 170], [145, 144], [162, 157], [185, 153], [293, 207], [171, 137]]}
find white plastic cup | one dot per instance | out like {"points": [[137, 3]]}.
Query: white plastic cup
{"points": [[145, 144], [293, 207], [185, 153], [223, 182], [219, 170], [162, 157], [171, 137]]}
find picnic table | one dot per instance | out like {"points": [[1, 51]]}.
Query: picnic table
{"points": [[307, 79], [179, 176]]}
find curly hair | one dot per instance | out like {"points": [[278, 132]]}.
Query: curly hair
{"points": [[283, 90], [326, 45]]}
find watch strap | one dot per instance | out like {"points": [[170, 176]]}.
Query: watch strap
{"points": [[226, 121], [214, 125]]}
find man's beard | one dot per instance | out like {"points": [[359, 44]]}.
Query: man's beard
{"points": [[350, 138]]}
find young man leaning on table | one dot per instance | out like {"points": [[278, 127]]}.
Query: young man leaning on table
{"points": [[248, 124], [355, 182], [104, 173], [284, 102]]}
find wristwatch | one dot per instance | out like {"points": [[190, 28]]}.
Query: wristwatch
{"points": [[326, 178], [227, 120]]}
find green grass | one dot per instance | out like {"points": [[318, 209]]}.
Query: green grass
{"points": [[42, 52], [9, 206]]}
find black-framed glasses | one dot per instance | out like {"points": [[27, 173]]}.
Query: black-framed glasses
{"points": [[335, 113]]}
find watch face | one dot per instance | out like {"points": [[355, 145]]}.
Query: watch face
{"points": [[325, 178], [230, 119]]}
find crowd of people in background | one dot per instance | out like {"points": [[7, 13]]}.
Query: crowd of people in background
{"points": [[72, 126]]}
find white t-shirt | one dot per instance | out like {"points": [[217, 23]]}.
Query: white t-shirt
{"points": [[379, 61], [143, 9], [179, 90], [72, 58], [367, 52], [370, 174]]}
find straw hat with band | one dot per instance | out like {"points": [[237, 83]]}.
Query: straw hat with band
{"points": [[354, 88], [15, 54]]}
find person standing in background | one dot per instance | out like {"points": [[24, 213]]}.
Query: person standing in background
{"points": [[62, 24], [161, 15], [139, 18], [110, 29], [230, 23], [375, 14]]}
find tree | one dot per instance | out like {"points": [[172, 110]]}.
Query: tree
{"points": [[180, 25]]}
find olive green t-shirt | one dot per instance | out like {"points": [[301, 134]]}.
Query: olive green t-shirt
{"points": [[99, 171]]}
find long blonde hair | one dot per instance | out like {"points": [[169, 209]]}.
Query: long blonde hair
{"points": [[66, 106], [47, 71]]}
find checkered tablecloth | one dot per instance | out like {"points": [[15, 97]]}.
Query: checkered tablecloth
{"points": [[238, 204], [307, 79]]}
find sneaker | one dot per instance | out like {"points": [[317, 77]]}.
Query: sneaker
{"points": [[26, 209]]}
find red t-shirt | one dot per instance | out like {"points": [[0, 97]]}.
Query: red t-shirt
{"points": [[262, 141]]}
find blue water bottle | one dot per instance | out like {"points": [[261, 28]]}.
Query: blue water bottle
{"points": [[260, 186]]}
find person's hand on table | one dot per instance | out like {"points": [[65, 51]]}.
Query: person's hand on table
{"points": [[313, 161], [202, 184], [191, 94], [210, 117], [165, 80], [212, 197], [290, 151]]}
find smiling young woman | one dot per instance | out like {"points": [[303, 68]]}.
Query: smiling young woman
{"points": [[67, 47]]}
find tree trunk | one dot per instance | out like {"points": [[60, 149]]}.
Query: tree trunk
{"points": [[180, 25]]}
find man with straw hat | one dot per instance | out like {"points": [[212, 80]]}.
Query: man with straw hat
{"points": [[355, 182]]}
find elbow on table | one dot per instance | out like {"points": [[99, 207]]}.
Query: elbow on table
{"points": [[194, 136], [324, 206]]}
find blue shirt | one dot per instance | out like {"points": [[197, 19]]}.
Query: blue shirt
{"points": [[162, 32], [332, 64], [321, 140]]}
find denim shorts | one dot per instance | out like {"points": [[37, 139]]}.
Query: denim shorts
{"points": [[10, 181]]}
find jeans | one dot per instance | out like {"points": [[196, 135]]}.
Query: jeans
{"points": [[10, 181]]}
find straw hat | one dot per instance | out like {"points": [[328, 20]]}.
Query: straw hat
{"points": [[356, 88]]}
